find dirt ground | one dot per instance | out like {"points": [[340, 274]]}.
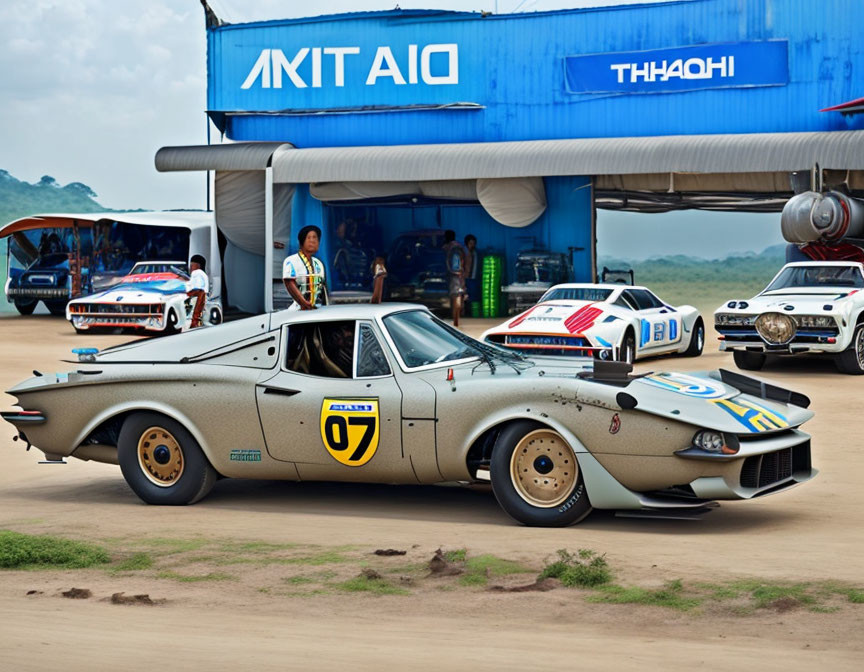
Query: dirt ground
{"points": [[811, 533]]}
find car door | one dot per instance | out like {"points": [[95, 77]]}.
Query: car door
{"points": [[660, 326], [334, 408]]}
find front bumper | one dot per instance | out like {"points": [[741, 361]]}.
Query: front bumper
{"points": [[37, 293], [805, 341]]}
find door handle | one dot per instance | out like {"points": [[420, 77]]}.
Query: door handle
{"points": [[280, 391]]}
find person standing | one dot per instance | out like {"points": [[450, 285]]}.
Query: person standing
{"points": [[472, 266], [303, 273], [379, 275], [197, 287], [455, 258]]}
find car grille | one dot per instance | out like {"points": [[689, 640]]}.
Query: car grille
{"points": [[38, 293], [116, 309], [762, 471]]}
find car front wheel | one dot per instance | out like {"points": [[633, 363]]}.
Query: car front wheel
{"points": [[851, 360], [627, 352], [697, 340], [536, 477], [749, 361], [25, 307], [162, 462]]}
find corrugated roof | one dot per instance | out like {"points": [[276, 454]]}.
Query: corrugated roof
{"points": [[761, 152], [237, 156]]}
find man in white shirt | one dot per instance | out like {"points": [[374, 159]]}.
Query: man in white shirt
{"points": [[303, 274], [197, 287]]}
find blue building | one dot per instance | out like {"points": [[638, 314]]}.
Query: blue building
{"points": [[515, 128]]}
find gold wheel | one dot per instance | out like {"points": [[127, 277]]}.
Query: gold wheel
{"points": [[160, 456], [543, 469]]}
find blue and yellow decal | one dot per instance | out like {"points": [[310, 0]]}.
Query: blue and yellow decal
{"points": [[690, 386], [753, 416]]}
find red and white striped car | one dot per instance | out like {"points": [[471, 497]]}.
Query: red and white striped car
{"points": [[608, 321]]}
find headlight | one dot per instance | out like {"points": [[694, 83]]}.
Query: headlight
{"points": [[732, 320], [714, 442], [817, 321], [776, 328]]}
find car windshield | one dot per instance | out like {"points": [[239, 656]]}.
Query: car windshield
{"points": [[421, 339], [817, 276], [576, 294]]}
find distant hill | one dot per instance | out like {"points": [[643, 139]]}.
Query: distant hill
{"points": [[19, 198], [751, 268]]}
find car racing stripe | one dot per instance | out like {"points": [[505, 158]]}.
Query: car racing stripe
{"points": [[582, 319], [519, 320]]}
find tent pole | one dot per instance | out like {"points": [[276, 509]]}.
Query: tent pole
{"points": [[268, 239]]}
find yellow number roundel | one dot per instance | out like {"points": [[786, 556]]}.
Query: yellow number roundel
{"points": [[349, 429]]}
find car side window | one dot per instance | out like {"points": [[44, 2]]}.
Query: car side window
{"points": [[645, 299], [371, 360], [626, 300], [324, 349]]}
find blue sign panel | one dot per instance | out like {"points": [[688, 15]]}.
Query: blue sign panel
{"points": [[706, 66]]}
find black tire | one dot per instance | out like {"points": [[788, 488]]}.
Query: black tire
{"points": [[215, 315], [171, 324], [697, 339], [56, 308], [558, 509], [25, 307], [749, 361], [851, 360], [157, 486], [627, 352]]}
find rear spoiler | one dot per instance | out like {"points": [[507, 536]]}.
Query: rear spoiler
{"points": [[763, 390]]}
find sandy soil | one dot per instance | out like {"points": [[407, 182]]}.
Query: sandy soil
{"points": [[812, 533]]}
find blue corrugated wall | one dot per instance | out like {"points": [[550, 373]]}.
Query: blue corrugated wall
{"points": [[513, 66]]}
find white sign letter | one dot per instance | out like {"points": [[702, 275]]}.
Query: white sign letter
{"points": [[281, 63], [261, 67], [412, 63], [384, 56], [339, 61], [620, 68], [316, 67], [452, 76]]}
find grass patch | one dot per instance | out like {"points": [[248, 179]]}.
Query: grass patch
{"points": [[27, 551], [854, 595], [195, 578], [133, 563], [473, 580], [584, 569], [363, 584], [297, 580], [173, 546], [494, 566], [321, 558], [255, 547], [457, 555], [670, 596]]}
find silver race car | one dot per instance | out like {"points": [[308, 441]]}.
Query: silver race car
{"points": [[390, 394]]}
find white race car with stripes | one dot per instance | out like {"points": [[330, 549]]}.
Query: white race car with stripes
{"points": [[608, 321]]}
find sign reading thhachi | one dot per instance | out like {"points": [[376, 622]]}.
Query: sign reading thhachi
{"points": [[704, 66]]}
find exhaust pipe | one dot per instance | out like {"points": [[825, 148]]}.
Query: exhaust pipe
{"points": [[811, 216]]}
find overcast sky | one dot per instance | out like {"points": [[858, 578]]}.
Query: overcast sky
{"points": [[90, 89]]}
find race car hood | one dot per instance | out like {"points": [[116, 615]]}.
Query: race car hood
{"points": [[557, 317], [137, 292], [800, 301], [703, 399]]}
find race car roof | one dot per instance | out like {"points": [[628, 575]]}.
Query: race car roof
{"points": [[189, 219]]}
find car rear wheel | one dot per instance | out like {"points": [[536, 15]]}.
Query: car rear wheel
{"points": [[851, 360], [749, 361], [536, 477], [697, 340], [162, 462], [25, 307]]}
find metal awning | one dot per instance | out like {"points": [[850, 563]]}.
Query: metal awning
{"points": [[744, 153], [235, 156]]}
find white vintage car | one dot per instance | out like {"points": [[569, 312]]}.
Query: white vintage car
{"points": [[810, 307], [608, 321], [152, 297]]}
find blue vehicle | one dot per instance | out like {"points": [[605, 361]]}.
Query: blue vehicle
{"points": [[417, 268]]}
